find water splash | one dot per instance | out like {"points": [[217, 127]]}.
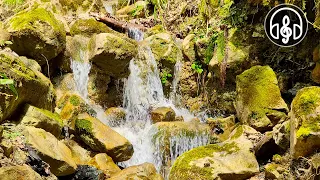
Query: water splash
{"points": [[81, 72], [135, 34], [174, 95]]}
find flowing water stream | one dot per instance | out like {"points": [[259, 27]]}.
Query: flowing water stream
{"points": [[143, 92]]}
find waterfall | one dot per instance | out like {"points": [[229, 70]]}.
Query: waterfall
{"points": [[81, 72], [143, 92]]}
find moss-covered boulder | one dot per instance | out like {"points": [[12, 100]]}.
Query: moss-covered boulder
{"points": [[105, 163], [70, 106], [32, 87], [165, 50], [259, 102], [51, 150], [19, 172], [232, 159], [88, 27], [166, 135], [145, 171], [43, 119], [101, 138], [112, 53], [37, 33], [163, 114], [304, 125]]}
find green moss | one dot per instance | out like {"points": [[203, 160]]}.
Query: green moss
{"points": [[88, 27], [54, 116], [306, 101], [13, 2], [183, 169], [238, 133], [74, 100], [28, 19], [221, 46], [84, 125], [75, 5]]}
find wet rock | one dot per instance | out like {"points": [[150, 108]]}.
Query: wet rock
{"points": [[276, 171], [51, 150], [188, 47], [18, 172], [222, 127], [85, 172], [163, 114], [64, 85], [32, 87], [103, 139], [259, 103], [304, 116], [117, 115], [145, 171], [104, 163], [88, 27], [210, 162], [281, 134], [112, 53], [43, 119], [168, 135], [37, 33]]}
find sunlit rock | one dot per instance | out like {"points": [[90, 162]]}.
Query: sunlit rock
{"points": [[232, 159], [51, 150], [99, 137], [44, 119], [305, 114], [32, 87], [105, 163], [18, 172], [259, 102], [145, 171], [37, 33]]}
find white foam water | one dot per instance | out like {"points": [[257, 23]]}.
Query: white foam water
{"points": [[81, 72]]}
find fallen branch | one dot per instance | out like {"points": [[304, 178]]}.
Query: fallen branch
{"points": [[118, 25]]}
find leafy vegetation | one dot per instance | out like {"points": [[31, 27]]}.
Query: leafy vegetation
{"points": [[165, 76], [196, 66], [4, 80], [13, 2]]}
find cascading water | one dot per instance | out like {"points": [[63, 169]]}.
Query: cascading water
{"points": [[143, 92], [81, 72]]}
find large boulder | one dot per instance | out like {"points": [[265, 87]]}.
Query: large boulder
{"points": [[165, 50], [163, 114], [43, 119], [232, 159], [112, 53], [101, 138], [259, 102], [36, 33], [305, 115], [88, 27], [51, 150], [145, 171], [32, 87], [19, 172]]}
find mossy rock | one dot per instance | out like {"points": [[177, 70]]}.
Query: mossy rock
{"points": [[145, 171], [165, 50], [163, 114], [259, 102], [88, 27], [101, 138], [188, 47], [32, 86], [51, 150], [165, 135], [305, 120], [41, 118], [37, 33], [112, 53], [210, 162], [24, 172]]}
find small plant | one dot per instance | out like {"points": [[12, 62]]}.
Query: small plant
{"points": [[197, 67], [137, 11], [4, 80], [165, 76], [4, 43]]}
